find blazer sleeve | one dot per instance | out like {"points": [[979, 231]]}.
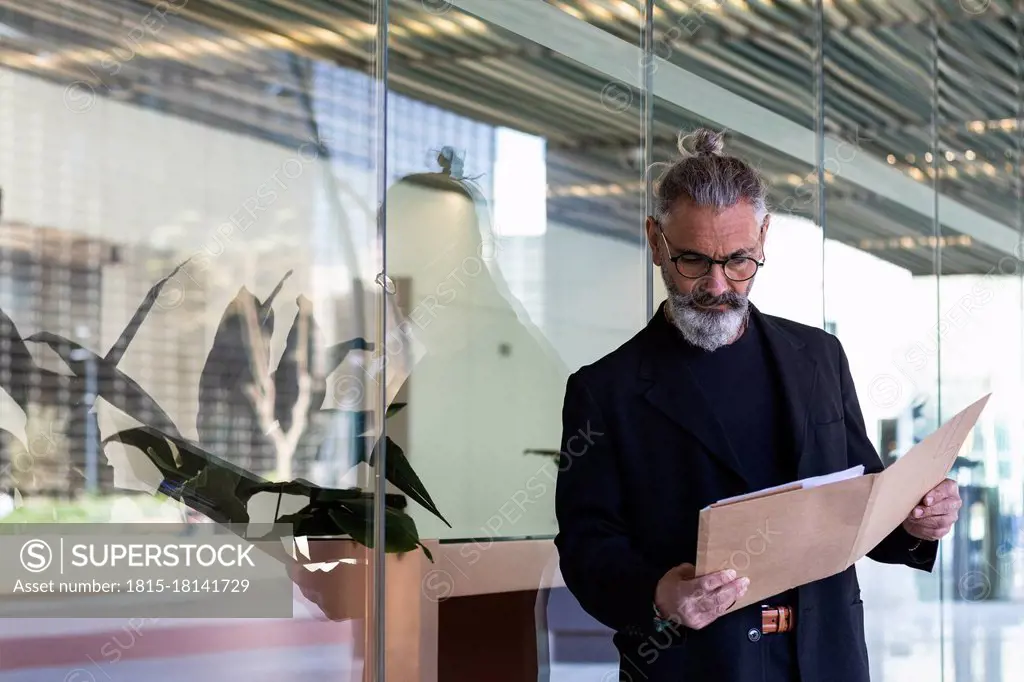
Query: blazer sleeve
{"points": [[896, 547], [611, 580]]}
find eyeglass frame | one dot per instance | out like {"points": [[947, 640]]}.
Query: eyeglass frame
{"points": [[708, 260]]}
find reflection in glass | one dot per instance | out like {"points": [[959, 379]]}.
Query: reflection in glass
{"points": [[235, 151]]}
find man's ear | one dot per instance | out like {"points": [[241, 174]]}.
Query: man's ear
{"points": [[653, 242]]}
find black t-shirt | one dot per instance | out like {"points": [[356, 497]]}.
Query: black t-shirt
{"points": [[742, 383]]}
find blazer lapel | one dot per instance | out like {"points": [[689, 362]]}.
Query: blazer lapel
{"points": [[673, 390], [799, 375]]}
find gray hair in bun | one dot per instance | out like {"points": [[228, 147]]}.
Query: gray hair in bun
{"points": [[707, 177]]}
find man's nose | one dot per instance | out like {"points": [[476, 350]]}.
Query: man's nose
{"points": [[715, 282]]}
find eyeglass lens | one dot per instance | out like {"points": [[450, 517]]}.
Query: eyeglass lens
{"points": [[738, 269]]}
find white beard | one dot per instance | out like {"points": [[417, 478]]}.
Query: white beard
{"points": [[703, 327]]}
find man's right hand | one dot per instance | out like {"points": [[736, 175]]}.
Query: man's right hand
{"points": [[697, 602]]}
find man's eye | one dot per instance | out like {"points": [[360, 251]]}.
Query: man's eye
{"points": [[690, 258]]}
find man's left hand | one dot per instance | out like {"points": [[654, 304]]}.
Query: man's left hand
{"points": [[935, 515]]}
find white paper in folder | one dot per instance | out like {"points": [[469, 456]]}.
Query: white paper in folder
{"points": [[812, 482]]}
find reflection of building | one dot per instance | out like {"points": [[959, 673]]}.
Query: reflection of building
{"points": [[50, 280]]}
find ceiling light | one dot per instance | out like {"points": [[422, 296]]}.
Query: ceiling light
{"points": [[569, 9], [165, 50], [207, 46], [233, 45], [446, 26], [420, 27], [598, 11], [255, 40], [278, 40], [471, 23], [628, 11]]}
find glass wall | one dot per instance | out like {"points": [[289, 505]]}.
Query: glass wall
{"points": [[881, 263], [977, 171], [441, 204], [188, 262]]}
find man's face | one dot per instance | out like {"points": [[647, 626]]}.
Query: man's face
{"points": [[709, 310]]}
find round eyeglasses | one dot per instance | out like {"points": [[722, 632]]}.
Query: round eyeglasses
{"points": [[696, 265]]}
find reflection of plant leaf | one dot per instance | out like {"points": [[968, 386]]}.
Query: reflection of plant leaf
{"points": [[325, 437], [227, 418], [190, 459], [399, 528], [222, 490], [355, 519], [113, 385], [22, 373], [299, 358], [337, 353], [18, 380], [400, 473], [191, 475], [218, 488], [393, 409], [117, 351], [318, 496]]}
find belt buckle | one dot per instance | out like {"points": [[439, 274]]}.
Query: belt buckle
{"points": [[776, 619]]}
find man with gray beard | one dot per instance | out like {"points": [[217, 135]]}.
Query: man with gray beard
{"points": [[714, 398]]}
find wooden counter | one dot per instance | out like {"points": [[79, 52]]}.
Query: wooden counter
{"points": [[471, 615]]}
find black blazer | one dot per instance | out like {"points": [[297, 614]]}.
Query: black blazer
{"points": [[642, 453]]}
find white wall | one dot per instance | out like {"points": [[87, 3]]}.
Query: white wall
{"points": [[594, 293]]}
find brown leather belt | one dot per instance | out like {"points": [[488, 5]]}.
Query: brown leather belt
{"points": [[776, 619]]}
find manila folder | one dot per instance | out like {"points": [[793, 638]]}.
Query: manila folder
{"points": [[796, 536]]}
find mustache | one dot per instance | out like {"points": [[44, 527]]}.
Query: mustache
{"points": [[704, 299]]}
